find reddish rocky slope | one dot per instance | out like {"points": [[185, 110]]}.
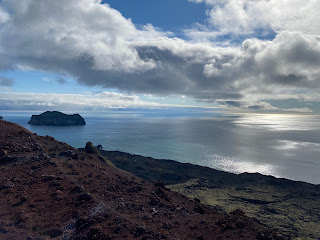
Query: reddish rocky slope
{"points": [[51, 190]]}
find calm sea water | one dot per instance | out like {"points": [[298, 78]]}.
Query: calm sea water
{"points": [[279, 145]]}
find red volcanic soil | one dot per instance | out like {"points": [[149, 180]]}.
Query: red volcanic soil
{"points": [[49, 190]]}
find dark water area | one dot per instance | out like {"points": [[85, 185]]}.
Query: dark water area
{"points": [[280, 145]]}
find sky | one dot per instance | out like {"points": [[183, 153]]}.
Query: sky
{"points": [[232, 55]]}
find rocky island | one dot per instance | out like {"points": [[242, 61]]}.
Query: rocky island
{"points": [[1, 118], [50, 190], [55, 118]]}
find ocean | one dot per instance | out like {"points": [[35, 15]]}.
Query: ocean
{"points": [[285, 146]]}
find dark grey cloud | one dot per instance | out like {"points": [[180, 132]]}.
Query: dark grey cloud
{"points": [[6, 82], [232, 103], [96, 45], [61, 80]]}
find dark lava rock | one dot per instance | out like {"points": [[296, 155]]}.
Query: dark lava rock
{"points": [[77, 189], [6, 184], [140, 230], [69, 153], [89, 148], [57, 119], [154, 201], [3, 152], [47, 178], [160, 184], [96, 234], [54, 233], [200, 210], [83, 198], [82, 224], [166, 226]]}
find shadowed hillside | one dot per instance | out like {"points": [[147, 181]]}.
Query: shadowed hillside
{"points": [[49, 190]]}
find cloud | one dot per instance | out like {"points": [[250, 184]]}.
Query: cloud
{"points": [[4, 16], [58, 79], [243, 17], [73, 32], [6, 82], [287, 63], [61, 80], [46, 79], [97, 46], [260, 106], [95, 102], [112, 100]]}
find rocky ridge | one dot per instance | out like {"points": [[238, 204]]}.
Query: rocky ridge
{"points": [[49, 190]]}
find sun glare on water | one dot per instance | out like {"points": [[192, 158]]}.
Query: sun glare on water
{"points": [[279, 122]]}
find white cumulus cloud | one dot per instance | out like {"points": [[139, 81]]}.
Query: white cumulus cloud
{"points": [[97, 46], [247, 16]]}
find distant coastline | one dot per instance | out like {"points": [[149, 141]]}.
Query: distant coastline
{"points": [[201, 172]]}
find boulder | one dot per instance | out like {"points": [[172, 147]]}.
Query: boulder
{"points": [[89, 148], [55, 118], [3, 152]]}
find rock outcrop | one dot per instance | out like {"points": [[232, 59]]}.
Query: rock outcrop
{"points": [[55, 118], [49, 190], [1, 118], [89, 148]]}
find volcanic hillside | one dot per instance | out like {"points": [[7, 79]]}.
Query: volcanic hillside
{"points": [[49, 190]]}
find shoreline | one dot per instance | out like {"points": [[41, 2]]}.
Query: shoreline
{"points": [[107, 152]]}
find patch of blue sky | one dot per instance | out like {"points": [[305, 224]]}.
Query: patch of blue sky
{"points": [[178, 15], [168, 15], [45, 82], [237, 39]]}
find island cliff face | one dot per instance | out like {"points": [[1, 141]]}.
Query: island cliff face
{"points": [[49, 190], [55, 118]]}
